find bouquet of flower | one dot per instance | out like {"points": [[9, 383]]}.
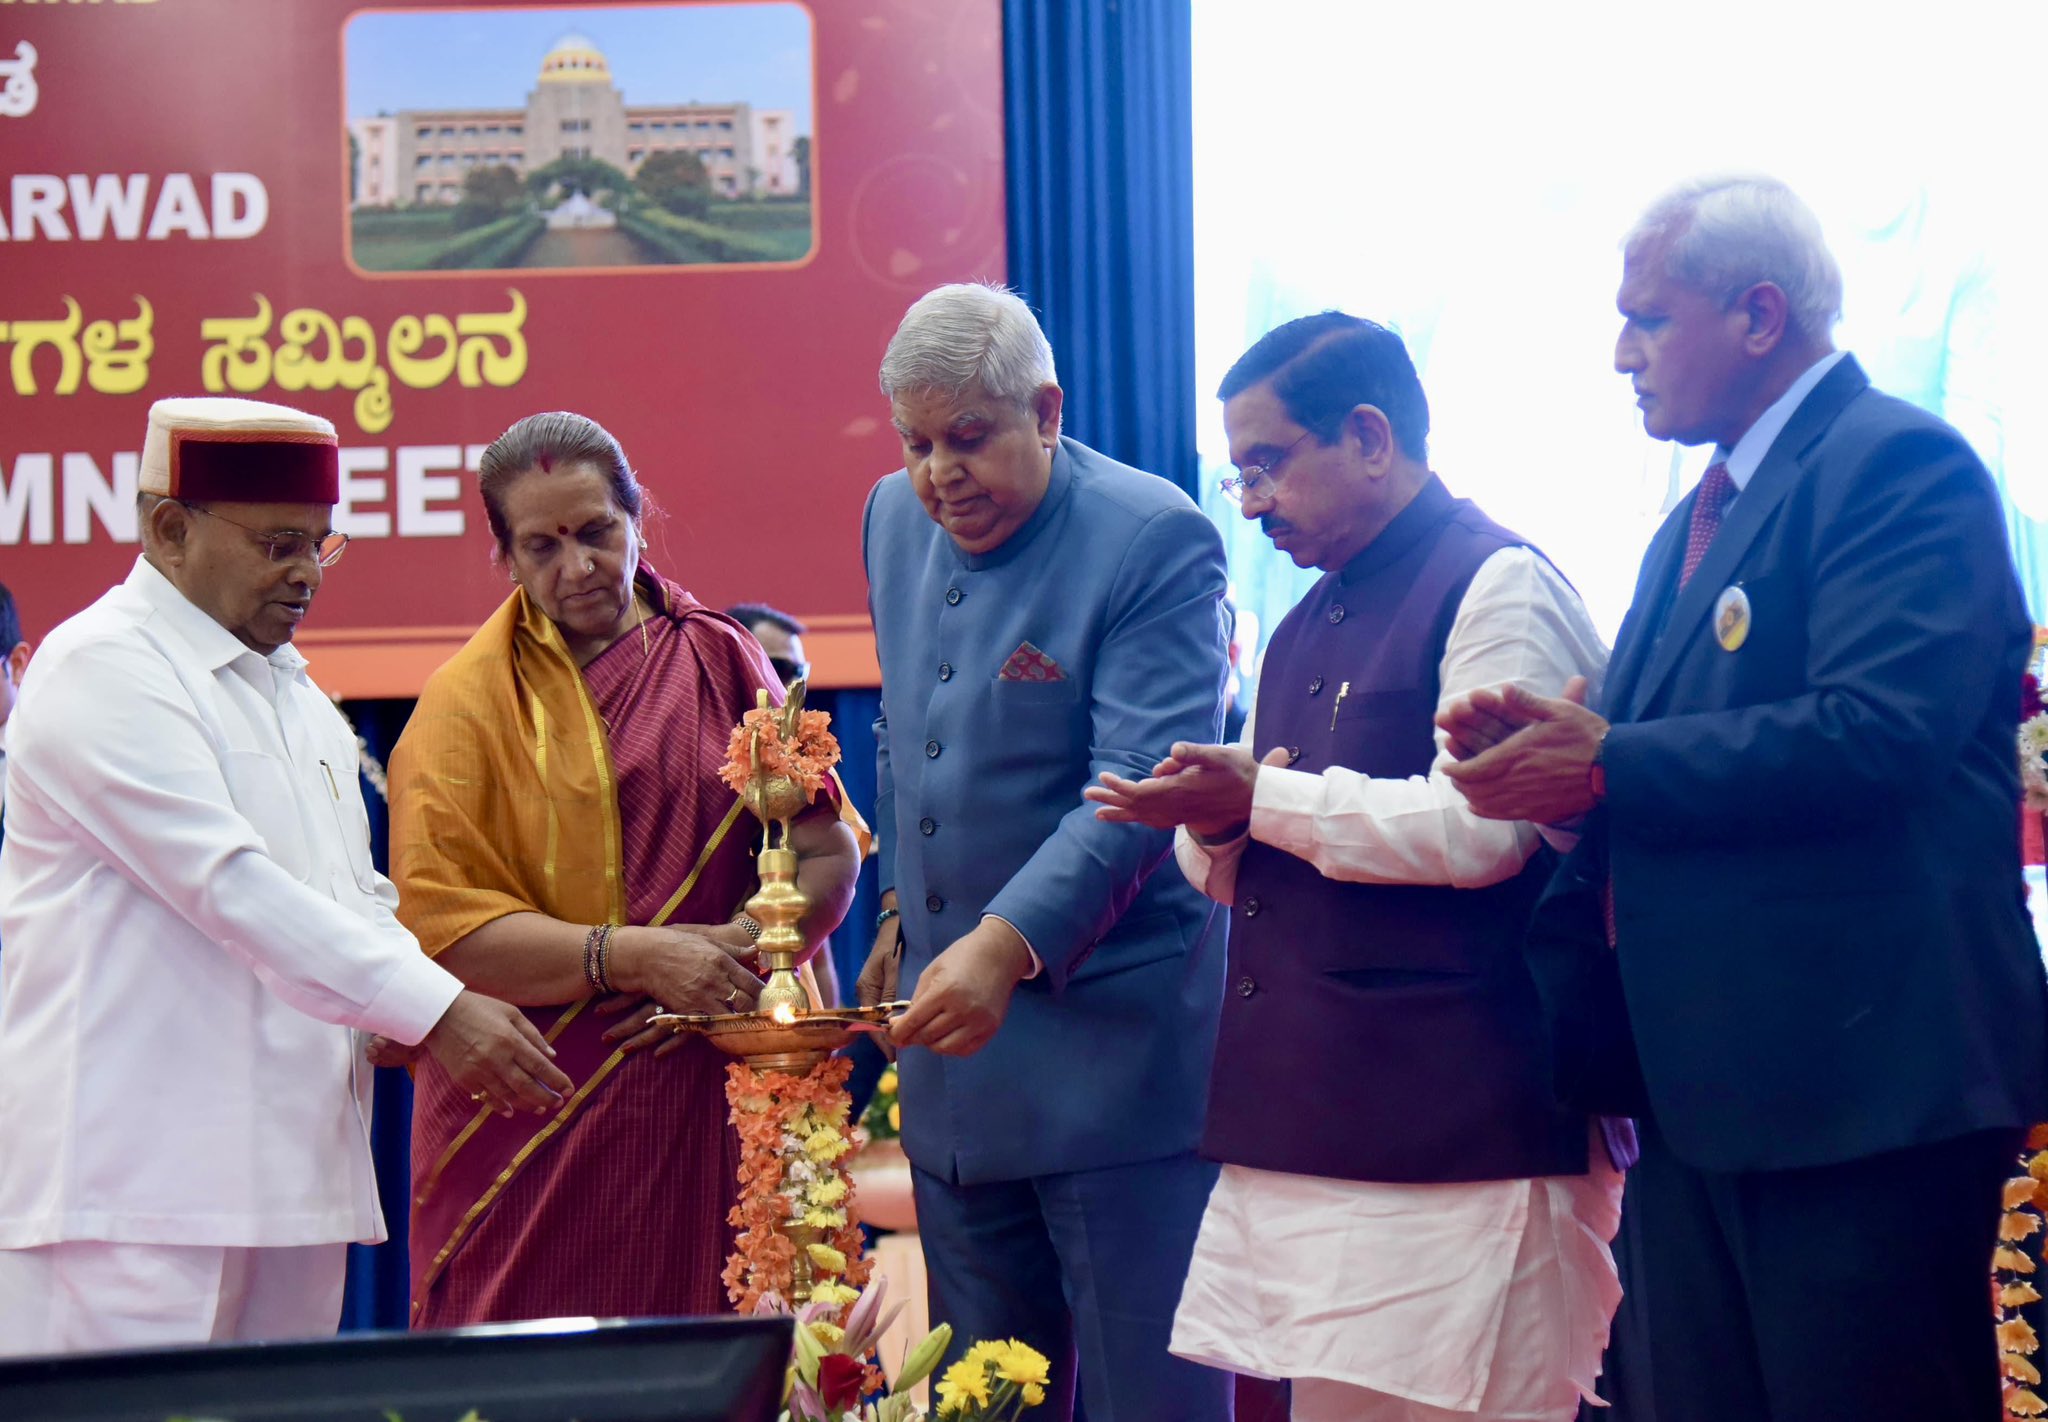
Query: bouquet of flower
{"points": [[883, 1120], [831, 1380]]}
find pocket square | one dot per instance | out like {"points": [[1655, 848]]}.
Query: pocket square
{"points": [[1027, 663]]}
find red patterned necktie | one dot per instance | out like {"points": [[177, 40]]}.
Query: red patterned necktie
{"points": [[1716, 489]]}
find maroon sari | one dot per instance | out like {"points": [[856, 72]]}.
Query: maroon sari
{"points": [[615, 1206]]}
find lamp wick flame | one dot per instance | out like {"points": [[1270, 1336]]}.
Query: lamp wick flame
{"points": [[783, 1014]]}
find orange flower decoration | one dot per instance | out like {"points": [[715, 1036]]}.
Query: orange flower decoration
{"points": [[766, 1107], [807, 762]]}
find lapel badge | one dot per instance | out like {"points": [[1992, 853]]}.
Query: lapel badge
{"points": [[1731, 617]]}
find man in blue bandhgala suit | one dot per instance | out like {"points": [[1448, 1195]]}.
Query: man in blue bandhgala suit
{"points": [[1792, 938], [1042, 614]]}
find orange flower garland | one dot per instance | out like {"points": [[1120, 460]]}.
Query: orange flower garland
{"points": [[807, 762], [793, 1134]]}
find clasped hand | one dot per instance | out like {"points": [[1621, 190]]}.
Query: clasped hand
{"points": [[1519, 756]]}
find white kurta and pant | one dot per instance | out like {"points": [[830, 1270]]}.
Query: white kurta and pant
{"points": [[194, 937], [1487, 1300]]}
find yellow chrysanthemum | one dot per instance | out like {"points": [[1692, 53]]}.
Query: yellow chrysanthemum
{"points": [[826, 1258], [826, 1144], [829, 1335], [886, 1083], [838, 1294], [829, 1191], [896, 1115], [1021, 1363], [825, 1219], [988, 1353], [1033, 1394], [963, 1383]]}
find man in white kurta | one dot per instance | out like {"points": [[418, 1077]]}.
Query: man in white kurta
{"points": [[1401, 1296], [195, 933]]}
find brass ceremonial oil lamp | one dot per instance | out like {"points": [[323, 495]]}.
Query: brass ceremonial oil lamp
{"points": [[783, 1033]]}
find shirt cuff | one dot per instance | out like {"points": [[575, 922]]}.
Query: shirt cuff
{"points": [[412, 1000], [1285, 804], [1037, 963]]}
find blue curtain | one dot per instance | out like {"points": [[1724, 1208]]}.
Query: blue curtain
{"points": [[1099, 141]]}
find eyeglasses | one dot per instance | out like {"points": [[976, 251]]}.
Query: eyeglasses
{"points": [[789, 670], [290, 545], [1248, 479]]}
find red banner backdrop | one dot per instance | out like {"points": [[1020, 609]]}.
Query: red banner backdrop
{"points": [[695, 222]]}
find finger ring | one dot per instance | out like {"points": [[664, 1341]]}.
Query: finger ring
{"points": [[732, 998], [480, 1097]]}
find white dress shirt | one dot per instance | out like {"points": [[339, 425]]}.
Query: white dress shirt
{"points": [[1519, 622], [192, 927]]}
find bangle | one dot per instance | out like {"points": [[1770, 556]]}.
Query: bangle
{"points": [[590, 942], [883, 917], [602, 977]]}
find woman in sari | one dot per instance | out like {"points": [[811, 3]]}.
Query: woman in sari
{"points": [[560, 775]]}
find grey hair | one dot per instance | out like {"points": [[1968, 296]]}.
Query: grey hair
{"points": [[970, 333], [1726, 234]]}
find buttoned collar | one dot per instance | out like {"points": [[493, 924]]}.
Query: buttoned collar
{"points": [[1756, 441], [211, 644], [1058, 486]]}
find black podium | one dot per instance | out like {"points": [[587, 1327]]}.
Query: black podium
{"points": [[562, 1370]]}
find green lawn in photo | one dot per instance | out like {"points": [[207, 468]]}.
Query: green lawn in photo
{"points": [[416, 239]]}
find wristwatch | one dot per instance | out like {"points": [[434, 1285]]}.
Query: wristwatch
{"points": [[1596, 773], [750, 924]]}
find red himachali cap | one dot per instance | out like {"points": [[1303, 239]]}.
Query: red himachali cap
{"points": [[239, 451]]}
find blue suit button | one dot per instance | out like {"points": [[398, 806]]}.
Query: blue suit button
{"points": [[1315, 687], [1337, 613], [1293, 754], [1251, 907], [931, 749], [1246, 987], [934, 902], [945, 671], [927, 825], [952, 597]]}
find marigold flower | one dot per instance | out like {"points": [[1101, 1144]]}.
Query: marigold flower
{"points": [[2018, 1295], [2016, 1225], [2018, 1368], [2011, 1261], [2021, 1190], [2022, 1403], [2016, 1335], [887, 1082]]}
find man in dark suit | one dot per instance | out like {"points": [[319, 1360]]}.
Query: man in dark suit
{"points": [[1791, 939]]}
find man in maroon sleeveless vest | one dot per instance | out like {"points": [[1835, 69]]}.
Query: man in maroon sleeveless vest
{"points": [[1407, 1224]]}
